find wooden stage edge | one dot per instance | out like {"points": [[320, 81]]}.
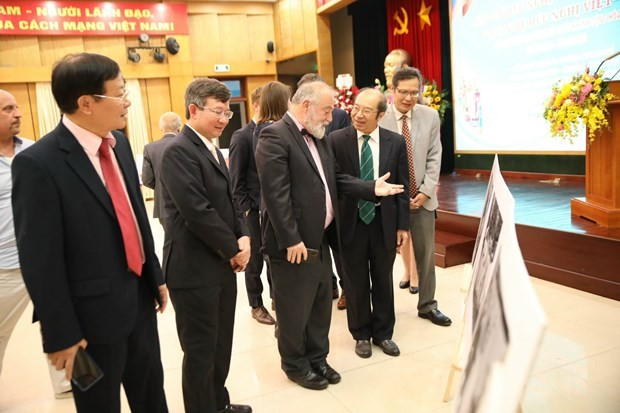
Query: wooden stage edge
{"points": [[570, 251]]}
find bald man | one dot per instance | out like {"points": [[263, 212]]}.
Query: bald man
{"points": [[170, 125]]}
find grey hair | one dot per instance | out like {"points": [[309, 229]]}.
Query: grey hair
{"points": [[170, 122], [311, 91]]}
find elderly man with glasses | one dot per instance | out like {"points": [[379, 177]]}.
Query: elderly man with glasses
{"points": [[371, 232]]}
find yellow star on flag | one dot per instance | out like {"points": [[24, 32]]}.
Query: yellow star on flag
{"points": [[424, 14]]}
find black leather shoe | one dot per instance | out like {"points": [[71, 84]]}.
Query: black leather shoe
{"points": [[236, 408], [413, 290], [310, 380], [327, 372], [335, 293], [403, 284], [388, 346], [436, 317], [363, 349]]}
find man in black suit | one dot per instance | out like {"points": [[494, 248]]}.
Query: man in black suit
{"points": [[170, 124], [246, 193], [84, 240], [340, 120], [371, 233], [298, 180], [206, 243]]}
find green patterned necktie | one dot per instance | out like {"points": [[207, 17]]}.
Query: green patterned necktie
{"points": [[366, 208]]}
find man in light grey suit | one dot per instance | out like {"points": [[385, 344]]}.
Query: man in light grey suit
{"points": [[419, 125]]}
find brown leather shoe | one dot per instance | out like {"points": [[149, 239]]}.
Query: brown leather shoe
{"points": [[261, 315], [342, 303]]}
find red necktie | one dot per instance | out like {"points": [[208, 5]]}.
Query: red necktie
{"points": [[122, 208], [407, 136]]}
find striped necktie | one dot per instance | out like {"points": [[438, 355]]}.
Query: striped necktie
{"points": [[367, 173]]}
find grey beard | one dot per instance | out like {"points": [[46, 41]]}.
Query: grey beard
{"points": [[318, 131]]}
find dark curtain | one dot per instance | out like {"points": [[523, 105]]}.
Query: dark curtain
{"points": [[447, 129], [370, 44]]}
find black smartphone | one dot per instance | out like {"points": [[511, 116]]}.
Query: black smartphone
{"points": [[313, 256], [85, 371]]}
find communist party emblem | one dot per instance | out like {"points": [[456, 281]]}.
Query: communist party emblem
{"points": [[402, 19]]}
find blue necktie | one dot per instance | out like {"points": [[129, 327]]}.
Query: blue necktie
{"points": [[367, 173]]}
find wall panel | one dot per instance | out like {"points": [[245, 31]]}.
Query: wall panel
{"points": [[19, 51], [234, 38], [158, 97]]}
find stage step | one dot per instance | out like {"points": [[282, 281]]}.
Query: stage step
{"points": [[452, 249]]}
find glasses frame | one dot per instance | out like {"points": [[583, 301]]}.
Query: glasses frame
{"points": [[414, 95], [366, 112], [122, 99], [228, 114]]}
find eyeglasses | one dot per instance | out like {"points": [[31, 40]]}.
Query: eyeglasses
{"points": [[412, 93], [121, 99], [365, 111], [228, 114]]}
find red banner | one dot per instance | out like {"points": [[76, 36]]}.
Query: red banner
{"points": [[72, 18], [414, 25]]}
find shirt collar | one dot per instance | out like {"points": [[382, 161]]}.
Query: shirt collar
{"points": [[89, 141], [374, 135], [299, 125], [398, 113], [210, 146]]}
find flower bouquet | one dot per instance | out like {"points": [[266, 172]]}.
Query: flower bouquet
{"points": [[347, 91], [436, 99], [583, 100]]}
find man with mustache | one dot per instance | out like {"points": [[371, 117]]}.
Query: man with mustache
{"points": [[13, 294], [297, 173]]}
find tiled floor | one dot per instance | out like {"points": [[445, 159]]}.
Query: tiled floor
{"points": [[577, 370]]}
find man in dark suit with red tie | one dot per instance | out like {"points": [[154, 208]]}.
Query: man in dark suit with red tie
{"points": [[84, 241], [371, 233], [206, 243], [298, 180]]}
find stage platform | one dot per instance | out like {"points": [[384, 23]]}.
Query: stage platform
{"points": [[556, 245]]}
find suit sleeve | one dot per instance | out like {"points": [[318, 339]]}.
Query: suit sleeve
{"points": [[272, 163], [37, 206], [239, 153], [433, 158], [192, 201], [402, 177], [148, 175]]}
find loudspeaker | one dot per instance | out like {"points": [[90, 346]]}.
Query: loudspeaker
{"points": [[270, 46], [172, 46]]}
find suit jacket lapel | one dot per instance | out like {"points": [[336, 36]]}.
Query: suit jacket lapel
{"points": [[301, 141], [385, 147], [83, 167], [415, 124], [353, 150], [124, 163], [202, 148]]}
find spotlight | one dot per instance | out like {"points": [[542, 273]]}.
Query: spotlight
{"points": [[159, 56], [133, 56]]}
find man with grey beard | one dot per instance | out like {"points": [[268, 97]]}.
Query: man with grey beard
{"points": [[298, 179]]}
